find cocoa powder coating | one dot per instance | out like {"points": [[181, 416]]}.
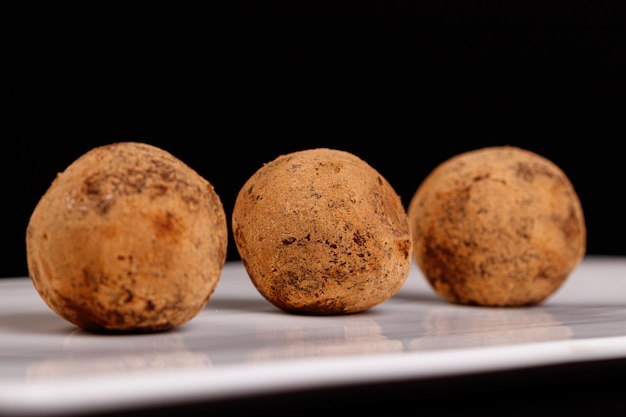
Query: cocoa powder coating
{"points": [[498, 226], [127, 239], [321, 232]]}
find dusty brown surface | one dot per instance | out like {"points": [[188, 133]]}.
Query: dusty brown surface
{"points": [[322, 232], [497, 226], [127, 238]]}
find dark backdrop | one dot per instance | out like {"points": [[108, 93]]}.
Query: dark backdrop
{"points": [[402, 85]]}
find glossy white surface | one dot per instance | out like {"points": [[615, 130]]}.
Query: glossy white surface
{"points": [[240, 344]]}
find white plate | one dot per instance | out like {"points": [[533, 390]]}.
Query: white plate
{"points": [[241, 345]]}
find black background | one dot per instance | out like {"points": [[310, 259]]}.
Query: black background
{"points": [[403, 85]]}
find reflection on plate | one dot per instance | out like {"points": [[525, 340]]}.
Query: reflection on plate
{"points": [[241, 345]]}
